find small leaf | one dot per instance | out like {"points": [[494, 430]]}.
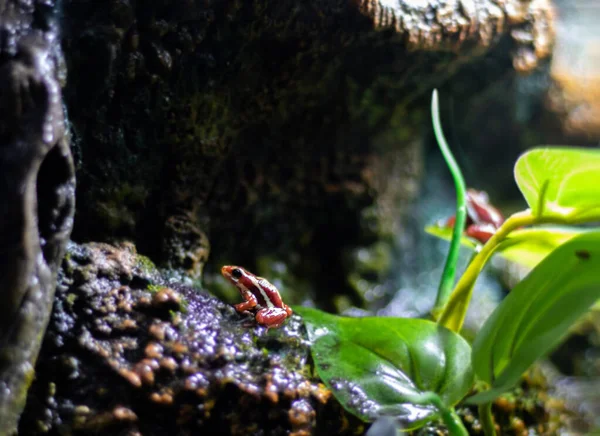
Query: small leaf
{"points": [[536, 314], [527, 247], [446, 234], [375, 365], [560, 181]]}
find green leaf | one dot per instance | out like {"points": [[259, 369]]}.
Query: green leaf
{"points": [[561, 182], [529, 247], [378, 366], [526, 247], [536, 314]]}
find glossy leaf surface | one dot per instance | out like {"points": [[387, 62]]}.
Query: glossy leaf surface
{"points": [[526, 247], [561, 181], [537, 313], [529, 247], [375, 365]]}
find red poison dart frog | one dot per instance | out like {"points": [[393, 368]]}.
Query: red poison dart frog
{"points": [[259, 295], [483, 219]]}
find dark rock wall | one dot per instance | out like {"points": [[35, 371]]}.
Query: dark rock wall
{"points": [[37, 191], [282, 129]]}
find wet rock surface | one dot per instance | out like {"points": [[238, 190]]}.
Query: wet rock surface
{"points": [[125, 353], [37, 191], [128, 353]]}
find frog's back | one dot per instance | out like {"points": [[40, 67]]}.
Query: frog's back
{"points": [[271, 292]]}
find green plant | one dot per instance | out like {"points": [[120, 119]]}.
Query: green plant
{"points": [[412, 369], [417, 370]]}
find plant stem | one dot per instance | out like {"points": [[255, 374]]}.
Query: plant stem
{"points": [[449, 273], [487, 419], [454, 423], [453, 314], [448, 415]]}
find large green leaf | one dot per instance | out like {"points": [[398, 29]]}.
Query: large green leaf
{"points": [[533, 318], [376, 366], [561, 182], [529, 247]]}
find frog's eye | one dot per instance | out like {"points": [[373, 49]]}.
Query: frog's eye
{"points": [[236, 273]]}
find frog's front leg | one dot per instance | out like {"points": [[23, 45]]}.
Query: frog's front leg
{"points": [[481, 232], [249, 302], [271, 317]]}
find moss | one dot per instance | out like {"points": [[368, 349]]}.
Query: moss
{"points": [[184, 305], [22, 389], [118, 209], [71, 298], [145, 266], [342, 303], [369, 266], [375, 259], [293, 287], [153, 289]]}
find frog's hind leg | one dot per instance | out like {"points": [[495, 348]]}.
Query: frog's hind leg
{"points": [[271, 317]]}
